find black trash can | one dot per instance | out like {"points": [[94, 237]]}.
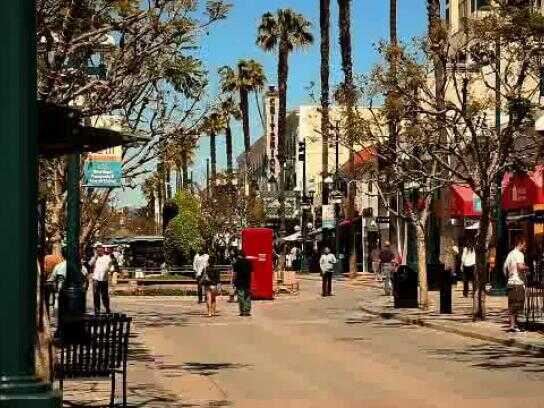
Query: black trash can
{"points": [[405, 283], [446, 281], [434, 272]]}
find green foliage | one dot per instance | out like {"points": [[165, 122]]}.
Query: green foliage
{"points": [[183, 235]]}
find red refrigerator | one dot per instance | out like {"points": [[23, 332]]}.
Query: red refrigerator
{"points": [[257, 246]]}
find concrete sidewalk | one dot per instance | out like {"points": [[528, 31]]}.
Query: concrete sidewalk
{"points": [[144, 387], [459, 322]]}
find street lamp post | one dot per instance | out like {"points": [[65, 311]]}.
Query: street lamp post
{"points": [[328, 182], [19, 387], [499, 284], [336, 199]]}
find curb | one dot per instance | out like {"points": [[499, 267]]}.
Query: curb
{"points": [[454, 330]]}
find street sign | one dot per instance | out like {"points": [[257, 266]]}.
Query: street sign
{"points": [[104, 168], [328, 220]]}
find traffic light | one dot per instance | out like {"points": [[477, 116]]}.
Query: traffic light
{"points": [[301, 150]]}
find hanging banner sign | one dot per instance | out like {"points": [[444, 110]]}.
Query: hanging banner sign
{"points": [[104, 168], [328, 220]]}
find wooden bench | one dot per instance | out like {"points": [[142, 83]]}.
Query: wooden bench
{"points": [[94, 346]]}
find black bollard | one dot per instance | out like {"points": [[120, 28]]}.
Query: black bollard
{"points": [[445, 291]]}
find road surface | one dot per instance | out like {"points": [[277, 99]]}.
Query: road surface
{"points": [[308, 351]]}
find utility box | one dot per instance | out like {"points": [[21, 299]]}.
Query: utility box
{"points": [[257, 246], [405, 286]]}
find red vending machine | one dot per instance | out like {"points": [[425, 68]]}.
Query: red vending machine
{"points": [[257, 246]]}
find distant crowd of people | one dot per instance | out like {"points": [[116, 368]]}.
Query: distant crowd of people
{"points": [[97, 269]]}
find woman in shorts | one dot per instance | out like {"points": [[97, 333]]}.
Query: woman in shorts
{"points": [[210, 283]]}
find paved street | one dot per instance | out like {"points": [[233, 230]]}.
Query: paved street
{"points": [[307, 351]]}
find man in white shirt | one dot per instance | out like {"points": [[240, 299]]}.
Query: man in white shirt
{"points": [[200, 263], [515, 269], [327, 263], [101, 264], [468, 263]]}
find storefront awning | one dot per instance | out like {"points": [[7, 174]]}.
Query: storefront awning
{"points": [[463, 202], [523, 190], [362, 158]]}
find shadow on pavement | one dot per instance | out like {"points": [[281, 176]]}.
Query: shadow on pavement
{"points": [[208, 369], [157, 319], [494, 357]]}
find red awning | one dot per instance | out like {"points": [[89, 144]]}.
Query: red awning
{"points": [[362, 158], [463, 202], [523, 190]]}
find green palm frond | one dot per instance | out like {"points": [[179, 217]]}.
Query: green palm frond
{"points": [[287, 24]]}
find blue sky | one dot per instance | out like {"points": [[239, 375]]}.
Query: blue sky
{"points": [[234, 39]]}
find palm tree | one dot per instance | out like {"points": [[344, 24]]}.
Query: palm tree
{"points": [[349, 98], [229, 109], [248, 76], [392, 67], [212, 125], [324, 23], [179, 151], [392, 95], [283, 32]]}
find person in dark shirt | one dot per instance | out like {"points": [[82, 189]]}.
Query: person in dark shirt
{"points": [[211, 279], [242, 281], [387, 266], [386, 254]]}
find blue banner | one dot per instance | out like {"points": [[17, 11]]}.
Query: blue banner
{"points": [[102, 173]]}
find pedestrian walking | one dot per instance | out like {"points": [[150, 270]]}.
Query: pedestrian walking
{"points": [[242, 281], [375, 259], [468, 263], [58, 276], [327, 263], [387, 267], [200, 263], [210, 282], [232, 259], [101, 264], [515, 270]]}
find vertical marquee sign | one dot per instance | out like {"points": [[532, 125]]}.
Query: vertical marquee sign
{"points": [[271, 106], [104, 168]]}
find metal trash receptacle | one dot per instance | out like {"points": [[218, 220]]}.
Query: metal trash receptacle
{"points": [[405, 288]]}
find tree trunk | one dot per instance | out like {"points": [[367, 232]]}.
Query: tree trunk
{"points": [[184, 170], [479, 295], [393, 22], [244, 107], [422, 266], [439, 57], [213, 156], [283, 72], [259, 110], [325, 60], [393, 117], [349, 95], [179, 178], [228, 144]]}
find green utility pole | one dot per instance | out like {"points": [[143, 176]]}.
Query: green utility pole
{"points": [[73, 298], [499, 282], [19, 387]]}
